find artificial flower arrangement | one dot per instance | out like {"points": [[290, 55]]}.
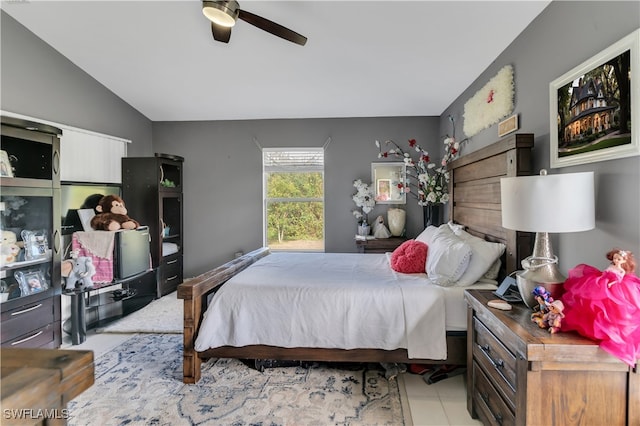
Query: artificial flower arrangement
{"points": [[431, 183], [364, 199]]}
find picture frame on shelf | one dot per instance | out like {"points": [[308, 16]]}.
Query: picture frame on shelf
{"points": [[31, 282], [595, 107]]}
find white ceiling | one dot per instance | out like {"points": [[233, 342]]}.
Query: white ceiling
{"points": [[362, 58]]}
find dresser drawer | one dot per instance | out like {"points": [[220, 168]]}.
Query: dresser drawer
{"points": [[23, 319], [170, 274], [496, 360], [43, 337], [488, 402]]}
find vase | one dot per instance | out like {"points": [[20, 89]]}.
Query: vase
{"points": [[364, 229], [432, 215], [396, 219]]}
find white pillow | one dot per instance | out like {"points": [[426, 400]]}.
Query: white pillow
{"points": [[426, 236], [455, 227], [484, 255], [447, 258], [493, 271]]}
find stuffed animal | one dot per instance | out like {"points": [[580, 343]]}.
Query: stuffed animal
{"points": [[78, 272], [9, 248], [112, 215]]}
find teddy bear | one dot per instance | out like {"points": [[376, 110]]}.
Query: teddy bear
{"points": [[9, 248], [112, 215], [78, 272]]}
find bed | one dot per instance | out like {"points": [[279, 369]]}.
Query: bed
{"points": [[475, 204]]}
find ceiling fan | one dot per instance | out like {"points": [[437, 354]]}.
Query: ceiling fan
{"points": [[224, 14]]}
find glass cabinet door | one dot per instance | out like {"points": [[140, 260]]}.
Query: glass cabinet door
{"points": [[29, 240]]}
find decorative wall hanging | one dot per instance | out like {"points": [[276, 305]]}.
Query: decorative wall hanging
{"points": [[593, 106], [491, 103]]}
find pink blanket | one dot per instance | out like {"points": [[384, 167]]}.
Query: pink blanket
{"points": [[98, 245]]}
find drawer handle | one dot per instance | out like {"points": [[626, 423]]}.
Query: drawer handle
{"points": [[24, 311], [172, 261], [485, 397], [172, 278], [499, 363], [486, 348], [498, 418], [26, 339]]}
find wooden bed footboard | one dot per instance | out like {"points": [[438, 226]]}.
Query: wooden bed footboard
{"points": [[195, 293]]}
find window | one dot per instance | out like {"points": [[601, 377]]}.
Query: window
{"points": [[294, 199]]}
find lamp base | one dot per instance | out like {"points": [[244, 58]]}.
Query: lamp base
{"points": [[527, 283], [541, 269]]}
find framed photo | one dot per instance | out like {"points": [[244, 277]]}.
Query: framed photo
{"points": [[386, 177], [31, 282], [507, 126], [594, 108], [383, 189]]}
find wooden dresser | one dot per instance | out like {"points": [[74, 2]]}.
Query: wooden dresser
{"points": [[379, 245], [521, 374]]}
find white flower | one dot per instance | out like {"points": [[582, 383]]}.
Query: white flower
{"points": [[364, 197], [429, 179]]}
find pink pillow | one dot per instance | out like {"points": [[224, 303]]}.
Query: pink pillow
{"points": [[410, 257]]}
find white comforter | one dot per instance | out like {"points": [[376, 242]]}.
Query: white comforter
{"points": [[327, 300]]}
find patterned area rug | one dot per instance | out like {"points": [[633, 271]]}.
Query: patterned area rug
{"points": [[164, 315], [140, 383]]}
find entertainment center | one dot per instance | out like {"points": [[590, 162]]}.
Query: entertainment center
{"points": [[41, 216]]}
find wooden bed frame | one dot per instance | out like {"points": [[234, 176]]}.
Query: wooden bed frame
{"points": [[475, 202]]}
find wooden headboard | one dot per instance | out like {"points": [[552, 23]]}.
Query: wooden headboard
{"points": [[474, 189]]}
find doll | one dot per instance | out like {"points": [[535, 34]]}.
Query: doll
{"points": [[379, 229], [544, 299], [605, 305], [553, 318]]}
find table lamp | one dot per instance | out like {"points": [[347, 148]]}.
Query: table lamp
{"points": [[545, 204]]}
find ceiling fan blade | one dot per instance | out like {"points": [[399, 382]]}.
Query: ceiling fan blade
{"points": [[221, 33], [272, 27]]}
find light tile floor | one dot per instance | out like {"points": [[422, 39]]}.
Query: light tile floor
{"points": [[443, 403]]}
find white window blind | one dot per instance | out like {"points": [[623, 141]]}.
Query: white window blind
{"points": [[89, 157], [293, 160]]}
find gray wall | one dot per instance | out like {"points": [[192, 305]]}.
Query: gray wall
{"points": [[223, 176], [39, 82], [563, 36], [222, 170]]}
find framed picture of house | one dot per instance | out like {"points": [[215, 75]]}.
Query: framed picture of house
{"points": [[595, 107]]}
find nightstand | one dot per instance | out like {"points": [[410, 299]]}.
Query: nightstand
{"points": [[518, 373], [379, 245]]}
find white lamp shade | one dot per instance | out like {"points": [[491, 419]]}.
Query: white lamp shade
{"points": [[548, 203]]}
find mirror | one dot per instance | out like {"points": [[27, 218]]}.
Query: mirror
{"points": [[385, 178]]}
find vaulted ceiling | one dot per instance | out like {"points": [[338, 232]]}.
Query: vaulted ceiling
{"points": [[362, 58]]}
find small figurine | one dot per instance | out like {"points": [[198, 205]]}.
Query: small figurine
{"points": [[379, 229], [553, 318], [544, 299]]}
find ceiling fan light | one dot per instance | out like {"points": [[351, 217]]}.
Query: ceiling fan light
{"points": [[223, 13]]}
